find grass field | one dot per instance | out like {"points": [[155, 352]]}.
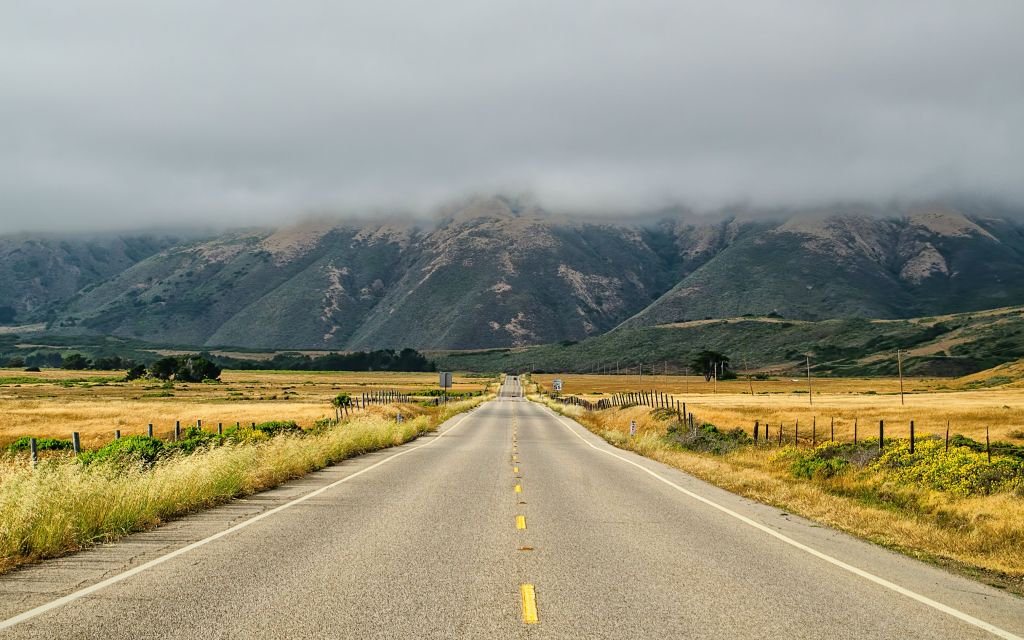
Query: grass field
{"points": [[53, 403], [929, 402]]}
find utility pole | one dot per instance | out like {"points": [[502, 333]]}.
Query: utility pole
{"points": [[641, 372], [686, 380], [810, 393], [714, 372], [899, 365]]}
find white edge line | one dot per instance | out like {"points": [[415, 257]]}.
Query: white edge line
{"points": [[81, 593], [956, 613]]}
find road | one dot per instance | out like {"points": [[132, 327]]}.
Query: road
{"points": [[511, 522]]}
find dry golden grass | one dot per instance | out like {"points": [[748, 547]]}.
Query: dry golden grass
{"points": [[53, 405], [929, 402], [985, 533]]}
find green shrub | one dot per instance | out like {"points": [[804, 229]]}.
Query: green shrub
{"points": [[708, 438], [961, 470], [812, 467], [262, 431], [126, 450], [42, 444], [194, 438]]}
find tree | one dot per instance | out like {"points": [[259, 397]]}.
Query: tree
{"points": [[16, 362], [111, 363], [75, 362], [164, 368], [135, 373], [706, 362], [196, 368], [7, 314]]}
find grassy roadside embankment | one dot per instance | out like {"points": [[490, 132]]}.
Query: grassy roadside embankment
{"points": [[880, 499], [65, 504]]}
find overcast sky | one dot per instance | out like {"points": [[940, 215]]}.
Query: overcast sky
{"points": [[127, 113]]}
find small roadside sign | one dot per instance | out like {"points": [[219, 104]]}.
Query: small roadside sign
{"points": [[632, 427], [446, 380], [399, 418], [558, 384]]}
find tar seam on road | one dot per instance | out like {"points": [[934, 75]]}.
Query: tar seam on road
{"points": [[956, 613], [71, 597]]}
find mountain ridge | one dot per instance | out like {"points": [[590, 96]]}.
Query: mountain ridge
{"points": [[500, 272]]}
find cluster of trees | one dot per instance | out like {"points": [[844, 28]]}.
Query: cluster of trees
{"points": [[711, 364], [381, 360], [190, 368], [71, 362]]}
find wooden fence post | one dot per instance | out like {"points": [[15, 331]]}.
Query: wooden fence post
{"points": [[220, 428], [796, 434], [34, 451], [833, 428], [117, 434], [814, 431], [855, 431], [988, 446], [911, 436], [755, 431], [177, 430], [947, 436], [149, 430], [881, 434], [76, 443]]}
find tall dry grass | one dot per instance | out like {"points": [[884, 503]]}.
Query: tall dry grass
{"points": [[62, 505], [973, 533]]}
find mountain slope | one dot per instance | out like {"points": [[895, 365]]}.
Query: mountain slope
{"points": [[497, 272], [932, 260], [41, 273]]}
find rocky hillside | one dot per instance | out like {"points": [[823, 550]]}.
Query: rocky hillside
{"points": [[495, 272], [39, 274], [490, 273], [855, 264]]}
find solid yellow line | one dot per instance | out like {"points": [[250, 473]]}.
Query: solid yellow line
{"points": [[520, 522], [529, 595], [515, 469], [519, 488]]}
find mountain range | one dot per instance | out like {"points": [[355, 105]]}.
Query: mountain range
{"points": [[499, 272]]}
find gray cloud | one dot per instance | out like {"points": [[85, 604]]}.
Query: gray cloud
{"points": [[121, 113]]}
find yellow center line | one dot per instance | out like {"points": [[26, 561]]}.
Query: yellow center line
{"points": [[515, 469], [519, 488], [529, 596], [520, 522]]}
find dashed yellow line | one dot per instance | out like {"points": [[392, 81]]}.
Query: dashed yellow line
{"points": [[529, 596], [519, 488], [515, 469], [520, 522]]}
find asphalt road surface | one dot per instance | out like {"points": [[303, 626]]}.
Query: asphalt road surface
{"points": [[510, 523]]}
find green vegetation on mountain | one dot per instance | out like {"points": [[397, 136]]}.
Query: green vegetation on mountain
{"points": [[956, 344], [500, 273]]}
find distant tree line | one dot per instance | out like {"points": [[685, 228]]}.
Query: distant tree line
{"points": [[380, 360], [187, 368]]}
